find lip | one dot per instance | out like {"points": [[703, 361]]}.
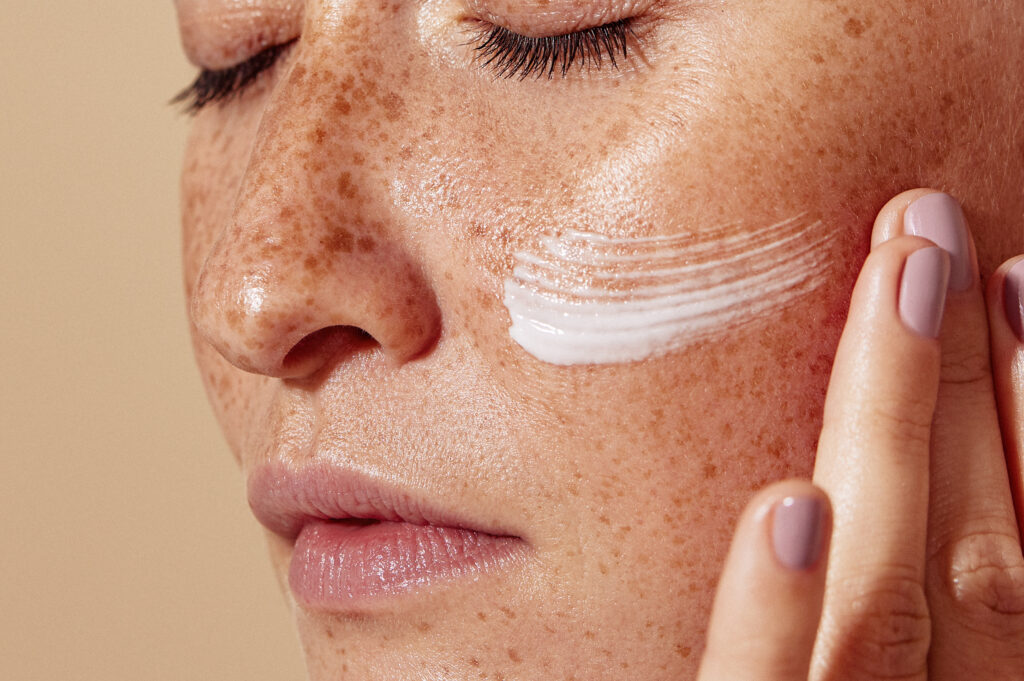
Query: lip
{"points": [[357, 540]]}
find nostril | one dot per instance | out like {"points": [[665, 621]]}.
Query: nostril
{"points": [[316, 349]]}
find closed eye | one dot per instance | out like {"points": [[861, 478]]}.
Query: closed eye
{"points": [[511, 55], [220, 85]]}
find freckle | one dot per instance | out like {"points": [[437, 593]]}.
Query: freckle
{"points": [[394, 106], [365, 244], [854, 27], [341, 105], [234, 319], [310, 263], [345, 186], [508, 613], [482, 617], [473, 662], [514, 655], [339, 241], [423, 627]]}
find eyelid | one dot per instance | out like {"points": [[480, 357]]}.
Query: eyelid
{"points": [[220, 85], [509, 54], [545, 18], [220, 34]]}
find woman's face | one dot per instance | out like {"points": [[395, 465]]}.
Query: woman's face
{"points": [[353, 223]]}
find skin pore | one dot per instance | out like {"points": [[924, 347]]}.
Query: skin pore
{"points": [[350, 220]]}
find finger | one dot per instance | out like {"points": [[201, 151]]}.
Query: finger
{"points": [[973, 544], [1006, 324], [768, 602], [873, 462]]}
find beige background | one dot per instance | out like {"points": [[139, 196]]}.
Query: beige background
{"points": [[128, 551]]}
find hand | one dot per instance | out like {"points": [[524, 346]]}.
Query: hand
{"points": [[922, 576]]}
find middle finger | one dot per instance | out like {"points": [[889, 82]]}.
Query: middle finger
{"points": [[973, 540]]}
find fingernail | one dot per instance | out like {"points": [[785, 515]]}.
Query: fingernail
{"points": [[1013, 298], [923, 290], [938, 217], [797, 524]]}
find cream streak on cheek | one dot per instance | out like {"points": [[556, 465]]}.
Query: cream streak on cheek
{"points": [[586, 298]]}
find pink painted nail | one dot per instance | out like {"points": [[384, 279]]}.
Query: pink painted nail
{"points": [[923, 290], [1013, 298], [797, 532], [938, 217]]}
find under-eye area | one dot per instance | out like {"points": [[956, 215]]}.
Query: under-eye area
{"points": [[585, 298]]}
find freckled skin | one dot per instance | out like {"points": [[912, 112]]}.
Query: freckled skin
{"points": [[349, 220]]}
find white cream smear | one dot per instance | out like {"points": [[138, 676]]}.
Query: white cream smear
{"points": [[586, 298]]}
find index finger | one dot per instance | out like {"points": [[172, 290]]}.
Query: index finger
{"points": [[873, 461]]}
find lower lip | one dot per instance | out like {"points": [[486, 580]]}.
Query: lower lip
{"points": [[342, 566]]}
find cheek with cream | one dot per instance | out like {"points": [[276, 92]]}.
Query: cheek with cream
{"points": [[586, 298]]}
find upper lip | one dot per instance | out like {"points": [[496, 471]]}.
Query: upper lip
{"points": [[285, 498]]}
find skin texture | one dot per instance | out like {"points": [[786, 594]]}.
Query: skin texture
{"points": [[349, 220]]}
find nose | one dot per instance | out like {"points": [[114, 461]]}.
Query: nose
{"points": [[312, 265]]}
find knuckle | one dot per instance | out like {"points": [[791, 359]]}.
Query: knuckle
{"points": [[886, 629], [981, 577], [907, 421], [968, 368]]}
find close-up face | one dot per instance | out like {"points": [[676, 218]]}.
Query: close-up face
{"points": [[506, 307]]}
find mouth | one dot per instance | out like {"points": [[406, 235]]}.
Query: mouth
{"points": [[357, 541]]}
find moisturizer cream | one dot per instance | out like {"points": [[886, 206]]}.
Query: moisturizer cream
{"points": [[586, 298]]}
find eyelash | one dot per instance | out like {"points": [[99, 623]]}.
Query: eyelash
{"points": [[221, 85], [507, 53], [511, 54]]}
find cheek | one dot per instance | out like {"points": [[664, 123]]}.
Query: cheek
{"points": [[214, 164]]}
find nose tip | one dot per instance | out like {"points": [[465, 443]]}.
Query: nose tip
{"points": [[277, 323]]}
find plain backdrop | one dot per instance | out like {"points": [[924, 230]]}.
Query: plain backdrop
{"points": [[128, 551]]}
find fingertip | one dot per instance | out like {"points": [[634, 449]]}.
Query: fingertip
{"points": [[939, 217], [889, 221], [902, 285], [1005, 297], [768, 604], [798, 532]]}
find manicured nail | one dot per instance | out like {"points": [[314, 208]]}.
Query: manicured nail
{"points": [[1013, 298], [938, 217], [797, 532], [923, 290]]}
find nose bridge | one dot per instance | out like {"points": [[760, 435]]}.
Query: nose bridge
{"points": [[312, 244]]}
